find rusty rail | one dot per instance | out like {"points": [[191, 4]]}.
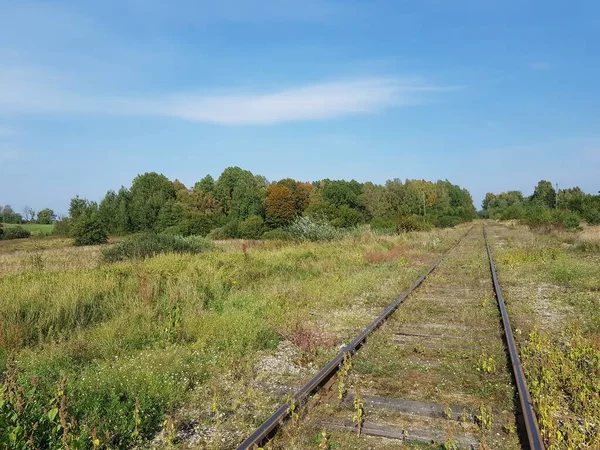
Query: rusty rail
{"points": [[268, 429], [534, 436]]}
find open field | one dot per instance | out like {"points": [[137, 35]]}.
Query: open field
{"points": [[195, 351], [179, 336], [32, 227]]}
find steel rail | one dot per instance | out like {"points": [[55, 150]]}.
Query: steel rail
{"points": [[531, 425], [268, 429]]}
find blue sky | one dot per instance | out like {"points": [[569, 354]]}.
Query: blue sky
{"points": [[492, 95]]}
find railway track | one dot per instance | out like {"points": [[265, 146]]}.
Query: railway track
{"points": [[442, 369]]}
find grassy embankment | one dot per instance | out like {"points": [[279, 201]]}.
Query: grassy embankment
{"points": [[110, 355]]}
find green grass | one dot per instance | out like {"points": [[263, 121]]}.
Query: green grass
{"points": [[32, 227], [176, 337]]}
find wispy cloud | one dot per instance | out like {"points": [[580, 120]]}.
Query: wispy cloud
{"points": [[35, 92]]}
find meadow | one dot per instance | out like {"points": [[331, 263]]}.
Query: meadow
{"points": [[33, 228], [113, 355], [195, 350]]}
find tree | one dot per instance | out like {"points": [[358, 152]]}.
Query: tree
{"points": [[46, 216], [149, 193], [8, 215], [205, 185], [544, 194], [251, 228], [246, 199], [88, 229], [29, 214], [280, 206], [114, 211], [77, 207]]}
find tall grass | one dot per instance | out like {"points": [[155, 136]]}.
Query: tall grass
{"points": [[146, 245], [139, 340]]}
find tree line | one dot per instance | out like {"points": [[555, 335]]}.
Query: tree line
{"points": [[545, 207], [240, 204], [44, 216]]}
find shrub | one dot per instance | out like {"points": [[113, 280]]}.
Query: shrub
{"points": [[307, 229], [538, 216], [89, 230], [593, 218], [448, 221], [146, 245], [379, 223], [346, 217], [227, 231], [570, 221], [251, 228], [413, 223], [15, 233], [276, 234], [63, 227]]}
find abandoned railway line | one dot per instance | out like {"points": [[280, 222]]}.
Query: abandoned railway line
{"points": [[438, 366]]}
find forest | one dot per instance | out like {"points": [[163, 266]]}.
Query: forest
{"points": [[240, 204]]}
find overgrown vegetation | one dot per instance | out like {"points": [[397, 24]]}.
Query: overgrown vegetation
{"points": [[550, 285], [17, 232], [145, 245], [546, 208], [240, 204], [139, 351]]}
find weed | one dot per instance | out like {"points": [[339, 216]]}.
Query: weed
{"points": [[486, 364], [448, 412], [359, 412], [324, 444], [342, 376], [484, 418], [450, 444]]}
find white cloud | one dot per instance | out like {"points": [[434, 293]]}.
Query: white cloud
{"points": [[28, 91]]}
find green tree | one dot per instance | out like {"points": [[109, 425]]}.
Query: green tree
{"points": [[149, 193], [88, 229], [544, 194], [77, 207], [46, 216], [206, 185], [252, 228], [246, 199], [114, 211]]}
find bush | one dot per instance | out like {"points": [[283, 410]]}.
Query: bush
{"points": [[15, 233], [89, 230], [307, 229], [278, 234], [448, 221], [63, 227], [413, 223], [379, 223], [570, 221], [538, 216], [593, 218], [346, 217], [146, 245], [251, 228], [227, 231]]}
